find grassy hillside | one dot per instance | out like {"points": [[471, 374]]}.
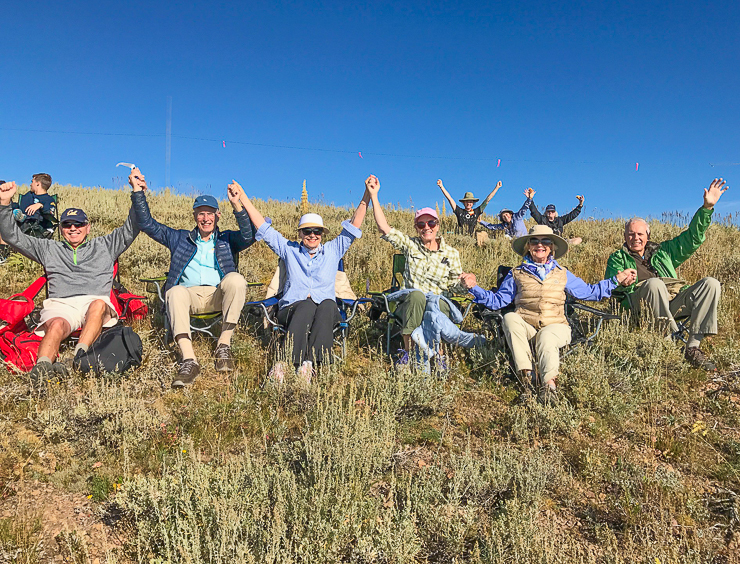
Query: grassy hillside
{"points": [[639, 463]]}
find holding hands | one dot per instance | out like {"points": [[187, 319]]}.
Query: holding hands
{"points": [[137, 180], [529, 193], [626, 277], [7, 191], [580, 200], [713, 193], [468, 280], [372, 185]]}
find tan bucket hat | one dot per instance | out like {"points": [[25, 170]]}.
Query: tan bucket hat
{"points": [[560, 245], [311, 220], [468, 197]]}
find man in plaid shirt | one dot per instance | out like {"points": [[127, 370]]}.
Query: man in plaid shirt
{"points": [[431, 265]]}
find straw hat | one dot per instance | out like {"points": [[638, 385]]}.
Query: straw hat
{"points": [[559, 245], [468, 197], [311, 220]]}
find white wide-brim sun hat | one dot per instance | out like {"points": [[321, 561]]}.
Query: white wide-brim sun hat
{"points": [[560, 245], [311, 220]]}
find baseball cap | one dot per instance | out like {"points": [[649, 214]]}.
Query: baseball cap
{"points": [[207, 201], [74, 215], [426, 211], [550, 207]]}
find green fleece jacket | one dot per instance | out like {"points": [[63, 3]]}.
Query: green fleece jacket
{"points": [[665, 257]]}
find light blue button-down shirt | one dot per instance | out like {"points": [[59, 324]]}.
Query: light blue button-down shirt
{"points": [[308, 275], [201, 270]]}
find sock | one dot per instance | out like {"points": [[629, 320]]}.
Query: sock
{"points": [[186, 347], [694, 340], [227, 331], [43, 359], [81, 347]]}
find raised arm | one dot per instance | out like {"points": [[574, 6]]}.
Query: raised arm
{"points": [[247, 231], [372, 185], [529, 193], [254, 214], [144, 220], [572, 214], [491, 195], [359, 215], [536, 215], [11, 234], [447, 194]]}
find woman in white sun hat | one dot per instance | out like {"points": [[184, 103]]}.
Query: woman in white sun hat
{"points": [[538, 287], [308, 305]]}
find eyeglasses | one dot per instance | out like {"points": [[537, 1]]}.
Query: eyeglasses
{"points": [[306, 231], [432, 223], [71, 224], [205, 215], [545, 241]]}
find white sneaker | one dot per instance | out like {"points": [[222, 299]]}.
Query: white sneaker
{"points": [[305, 371], [277, 374]]}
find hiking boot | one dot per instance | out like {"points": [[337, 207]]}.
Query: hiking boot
{"points": [[697, 359], [277, 374], [41, 373], [305, 371], [224, 361], [60, 369], [548, 395], [189, 369], [402, 357]]}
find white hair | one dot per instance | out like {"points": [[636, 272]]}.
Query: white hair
{"points": [[636, 220]]}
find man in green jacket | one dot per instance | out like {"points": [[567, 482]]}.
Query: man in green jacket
{"points": [[657, 287]]}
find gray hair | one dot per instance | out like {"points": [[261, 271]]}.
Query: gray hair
{"points": [[636, 220]]}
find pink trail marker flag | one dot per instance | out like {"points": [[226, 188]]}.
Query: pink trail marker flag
{"points": [[637, 165], [359, 153], [499, 163]]}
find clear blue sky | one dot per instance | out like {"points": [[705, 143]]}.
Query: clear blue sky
{"points": [[568, 95]]}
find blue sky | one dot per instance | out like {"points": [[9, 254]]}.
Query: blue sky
{"points": [[568, 95]]}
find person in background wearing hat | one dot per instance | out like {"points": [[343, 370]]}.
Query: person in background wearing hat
{"points": [[308, 306], [203, 275], [512, 224], [657, 287], [431, 266], [80, 276], [538, 287], [557, 222], [467, 216]]}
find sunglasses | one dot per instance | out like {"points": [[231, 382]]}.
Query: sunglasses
{"points": [[306, 231], [545, 241], [70, 224], [432, 223]]}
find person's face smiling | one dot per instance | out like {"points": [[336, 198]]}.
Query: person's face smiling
{"points": [[206, 218], [311, 237], [540, 249], [636, 237], [427, 227]]}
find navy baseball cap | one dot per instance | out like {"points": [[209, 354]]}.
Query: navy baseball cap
{"points": [[74, 215], [208, 201], [550, 207]]}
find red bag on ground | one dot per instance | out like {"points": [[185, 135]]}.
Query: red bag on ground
{"points": [[21, 348], [128, 306], [18, 306]]}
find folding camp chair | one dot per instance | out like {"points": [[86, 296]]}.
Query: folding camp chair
{"points": [[203, 323], [48, 226], [381, 304], [347, 311]]}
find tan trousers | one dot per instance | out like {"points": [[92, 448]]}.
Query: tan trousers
{"points": [[698, 302], [548, 342], [228, 297]]}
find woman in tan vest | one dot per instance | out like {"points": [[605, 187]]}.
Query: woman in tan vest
{"points": [[538, 287]]}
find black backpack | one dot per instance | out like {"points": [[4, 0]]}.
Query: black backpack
{"points": [[116, 350]]}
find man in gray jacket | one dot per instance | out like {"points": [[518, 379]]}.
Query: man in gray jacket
{"points": [[79, 273]]}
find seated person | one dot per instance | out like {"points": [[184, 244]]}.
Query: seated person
{"points": [[557, 222], [512, 224], [467, 216], [308, 306], [34, 210], [80, 276], [432, 266], [656, 265], [203, 274], [538, 287]]}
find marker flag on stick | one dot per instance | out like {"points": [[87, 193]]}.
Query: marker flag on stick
{"points": [[359, 153], [499, 163], [637, 165], [224, 142]]}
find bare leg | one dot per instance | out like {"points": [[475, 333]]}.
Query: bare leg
{"points": [[98, 313], [55, 331]]}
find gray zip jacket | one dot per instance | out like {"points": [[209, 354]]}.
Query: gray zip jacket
{"points": [[85, 271]]}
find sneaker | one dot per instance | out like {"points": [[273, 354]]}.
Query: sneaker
{"points": [[277, 374], [402, 357], [548, 395], [305, 371], [224, 361], [697, 359], [41, 373], [189, 369]]}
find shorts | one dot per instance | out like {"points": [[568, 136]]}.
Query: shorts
{"points": [[73, 310]]}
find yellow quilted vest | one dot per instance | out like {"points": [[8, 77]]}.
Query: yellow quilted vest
{"points": [[539, 302]]}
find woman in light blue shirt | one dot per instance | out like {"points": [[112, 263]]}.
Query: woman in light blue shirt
{"points": [[308, 305]]}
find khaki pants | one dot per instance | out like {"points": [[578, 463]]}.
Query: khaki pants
{"points": [[698, 302], [548, 342], [228, 297]]}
